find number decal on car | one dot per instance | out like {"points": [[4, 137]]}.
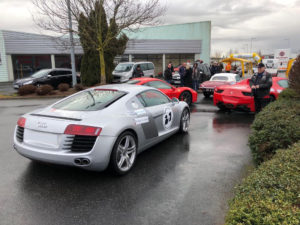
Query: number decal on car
{"points": [[167, 118]]}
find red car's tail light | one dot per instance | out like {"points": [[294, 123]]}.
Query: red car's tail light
{"points": [[247, 93], [219, 90], [21, 122], [73, 129]]}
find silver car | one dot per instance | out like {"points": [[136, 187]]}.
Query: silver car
{"points": [[100, 127]]}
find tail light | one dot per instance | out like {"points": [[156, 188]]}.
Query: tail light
{"points": [[73, 129], [247, 93], [21, 122], [218, 90]]}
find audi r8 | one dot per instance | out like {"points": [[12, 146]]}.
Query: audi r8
{"points": [[100, 127]]}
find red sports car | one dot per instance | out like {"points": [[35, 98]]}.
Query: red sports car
{"points": [[239, 96], [182, 93]]}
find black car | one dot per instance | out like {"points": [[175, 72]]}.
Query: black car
{"points": [[52, 77]]}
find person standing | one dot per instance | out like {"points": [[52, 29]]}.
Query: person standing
{"points": [[182, 71], [168, 73], [138, 72], [188, 80], [260, 84], [195, 77], [228, 68]]}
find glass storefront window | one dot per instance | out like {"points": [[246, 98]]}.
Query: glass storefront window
{"points": [[64, 61], [25, 65]]}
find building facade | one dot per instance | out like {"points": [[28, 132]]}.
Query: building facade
{"points": [[22, 54]]}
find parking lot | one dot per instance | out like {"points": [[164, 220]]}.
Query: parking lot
{"points": [[183, 180]]}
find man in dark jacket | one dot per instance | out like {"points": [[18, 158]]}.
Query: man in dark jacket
{"points": [[182, 72], [168, 73], [138, 72], [261, 83]]}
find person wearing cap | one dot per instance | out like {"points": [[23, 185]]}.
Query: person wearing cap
{"points": [[260, 84]]}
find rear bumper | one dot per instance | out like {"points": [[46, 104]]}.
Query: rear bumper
{"points": [[99, 156], [235, 103]]}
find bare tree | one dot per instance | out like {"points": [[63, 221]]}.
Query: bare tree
{"points": [[120, 15]]}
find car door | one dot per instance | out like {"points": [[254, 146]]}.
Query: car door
{"points": [[167, 89], [161, 110], [52, 79]]}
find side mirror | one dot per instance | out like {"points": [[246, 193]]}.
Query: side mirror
{"points": [[175, 100]]}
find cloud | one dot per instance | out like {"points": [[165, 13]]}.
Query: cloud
{"points": [[273, 23]]}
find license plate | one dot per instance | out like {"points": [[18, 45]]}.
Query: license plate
{"points": [[209, 89], [16, 86], [41, 139]]}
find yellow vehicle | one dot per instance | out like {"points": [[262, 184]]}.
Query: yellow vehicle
{"points": [[289, 66], [245, 59]]}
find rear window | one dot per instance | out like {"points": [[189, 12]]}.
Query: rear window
{"points": [[283, 83], [90, 100], [219, 78]]}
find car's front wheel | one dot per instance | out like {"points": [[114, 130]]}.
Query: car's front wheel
{"points": [[186, 96], [184, 121], [124, 153]]}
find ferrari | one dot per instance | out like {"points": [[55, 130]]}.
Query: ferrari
{"points": [[239, 95], [101, 127], [182, 93]]}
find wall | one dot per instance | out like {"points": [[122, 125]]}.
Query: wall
{"points": [[3, 65], [189, 31]]}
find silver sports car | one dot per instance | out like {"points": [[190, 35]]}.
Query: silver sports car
{"points": [[100, 127]]}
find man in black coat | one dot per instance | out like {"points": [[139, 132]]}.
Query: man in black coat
{"points": [[261, 83], [168, 73], [138, 72]]}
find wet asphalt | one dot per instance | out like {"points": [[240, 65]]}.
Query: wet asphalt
{"points": [[187, 179]]}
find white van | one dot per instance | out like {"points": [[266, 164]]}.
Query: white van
{"points": [[123, 71]]}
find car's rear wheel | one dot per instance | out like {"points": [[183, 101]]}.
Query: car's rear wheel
{"points": [[184, 121], [206, 94], [186, 96], [124, 153]]}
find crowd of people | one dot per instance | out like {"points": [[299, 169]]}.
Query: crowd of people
{"points": [[192, 75]]}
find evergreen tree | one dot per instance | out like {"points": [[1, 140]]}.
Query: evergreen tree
{"points": [[89, 28]]}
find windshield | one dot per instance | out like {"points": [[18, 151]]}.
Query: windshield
{"points": [[283, 83], [90, 100], [40, 73], [219, 78], [124, 67], [133, 81]]}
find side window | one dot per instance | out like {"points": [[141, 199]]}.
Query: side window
{"points": [[144, 66], [152, 98], [150, 66], [158, 85], [237, 78], [53, 73]]}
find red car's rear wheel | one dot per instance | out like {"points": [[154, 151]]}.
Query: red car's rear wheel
{"points": [[186, 96]]}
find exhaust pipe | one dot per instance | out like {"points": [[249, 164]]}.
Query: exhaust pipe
{"points": [[82, 161]]}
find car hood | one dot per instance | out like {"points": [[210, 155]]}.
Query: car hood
{"points": [[23, 80], [213, 83]]}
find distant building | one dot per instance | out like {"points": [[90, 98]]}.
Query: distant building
{"points": [[21, 54]]}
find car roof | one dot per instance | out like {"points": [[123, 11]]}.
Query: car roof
{"points": [[147, 79], [225, 74], [135, 62], [124, 87]]}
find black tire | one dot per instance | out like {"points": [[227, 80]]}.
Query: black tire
{"points": [[186, 96], [206, 94], [272, 98], [116, 154], [183, 119]]}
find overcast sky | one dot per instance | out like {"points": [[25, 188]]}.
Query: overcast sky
{"points": [[270, 24]]}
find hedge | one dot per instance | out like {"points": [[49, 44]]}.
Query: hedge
{"points": [[277, 126], [271, 194]]}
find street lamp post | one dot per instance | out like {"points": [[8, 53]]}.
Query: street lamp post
{"points": [[251, 39], [74, 81]]}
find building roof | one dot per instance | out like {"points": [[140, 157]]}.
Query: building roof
{"points": [[28, 43]]}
